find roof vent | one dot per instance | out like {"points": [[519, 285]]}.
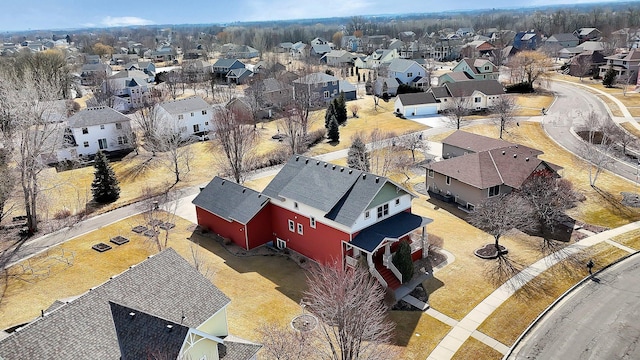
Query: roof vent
{"points": [[333, 167], [169, 328], [350, 171], [306, 161], [297, 158], [318, 162], [244, 190], [526, 159], [325, 164], [132, 315], [516, 146], [364, 176], [222, 183], [341, 169], [515, 156], [503, 152], [377, 180]]}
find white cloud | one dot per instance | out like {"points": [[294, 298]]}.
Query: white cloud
{"points": [[124, 21]]}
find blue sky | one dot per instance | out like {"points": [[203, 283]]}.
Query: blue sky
{"points": [[64, 14]]}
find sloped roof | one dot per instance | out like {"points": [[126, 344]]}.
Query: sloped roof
{"points": [[340, 192], [181, 106], [592, 45], [315, 78], [230, 201], [466, 88], [474, 142], [345, 86], [225, 63], [459, 76], [141, 335], [562, 37], [165, 285], [96, 116], [439, 92], [401, 65], [321, 48], [393, 227], [420, 98], [273, 84], [510, 166]]}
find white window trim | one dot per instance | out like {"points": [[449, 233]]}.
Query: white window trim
{"points": [[447, 180], [489, 191], [300, 229], [312, 222], [292, 226], [430, 173], [280, 243]]}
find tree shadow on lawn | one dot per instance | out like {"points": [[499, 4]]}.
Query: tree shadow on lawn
{"points": [[289, 277], [129, 174], [616, 206]]}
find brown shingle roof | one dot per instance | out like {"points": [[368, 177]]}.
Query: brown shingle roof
{"points": [[474, 142]]}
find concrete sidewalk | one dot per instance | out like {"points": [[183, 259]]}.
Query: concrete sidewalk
{"points": [[468, 326]]}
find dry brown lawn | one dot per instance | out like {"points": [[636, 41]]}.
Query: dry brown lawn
{"points": [[418, 333], [615, 109], [630, 239], [631, 129], [477, 350], [629, 99], [261, 288], [532, 104], [531, 300]]}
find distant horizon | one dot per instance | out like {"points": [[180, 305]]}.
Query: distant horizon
{"points": [[60, 15]]}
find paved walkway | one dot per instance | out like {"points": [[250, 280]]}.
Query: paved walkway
{"points": [[468, 326]]}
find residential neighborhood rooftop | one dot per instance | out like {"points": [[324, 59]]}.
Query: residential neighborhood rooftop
{"points": [[181, 106], [96, 116]]}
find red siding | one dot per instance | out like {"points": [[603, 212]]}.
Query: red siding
{"points": [[322, 244], [232, 230], [259, 228]]}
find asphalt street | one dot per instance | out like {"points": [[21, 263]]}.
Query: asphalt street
{"points": [[599, 320]]}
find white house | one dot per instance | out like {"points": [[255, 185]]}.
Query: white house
{"points": [[130, 89], [406, 71], [100, 128], [192, 114], [416, 104], [476, 94]]}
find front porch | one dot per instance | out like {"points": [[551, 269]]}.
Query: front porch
{"points": [[378, 243]]}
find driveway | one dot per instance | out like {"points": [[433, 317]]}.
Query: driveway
{"points": [[599, 320]]}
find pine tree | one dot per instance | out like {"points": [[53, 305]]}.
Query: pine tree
{"points": [[334, 129], [358, 157], [609, 78], [341, 109], [104, 187], [331, 112], [402, 260]]}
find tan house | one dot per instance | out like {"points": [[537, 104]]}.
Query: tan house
{"points": [[476, 94], [162, 308], [477, 168]]}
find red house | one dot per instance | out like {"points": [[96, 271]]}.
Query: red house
{"points": [[323, 211]]}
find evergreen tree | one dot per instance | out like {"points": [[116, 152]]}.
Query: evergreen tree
{"points": [[609, 77], [331, 112], [104, 187], [358, 157], [334, 129], [402, 260], [340, 106]]}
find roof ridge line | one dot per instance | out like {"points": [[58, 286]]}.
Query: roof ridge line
{"points": [[496, 166]]}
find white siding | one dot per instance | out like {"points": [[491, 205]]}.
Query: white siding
{"points": [[363, 222], [94, 133]]}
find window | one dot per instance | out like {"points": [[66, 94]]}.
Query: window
{"points": [[295, 205], [101, 127], [191, 114], [204, 112], [196, 128], [122, 140], [383, 211], [494, 191], [119, 126], [471, 207], [292, 226], [102, 143], [312, 222], [85, 130], [206, 123], [326, 94], [397, 202], [409, 74], [300, 228], [86, 144], [486, 67], [334, 83], [448, 180], [180, 117], [281, 244], [367, 214], [477, 99], [430, 173]]}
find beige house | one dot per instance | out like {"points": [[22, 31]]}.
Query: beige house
{"points": [[476, 94], [477, 168]]}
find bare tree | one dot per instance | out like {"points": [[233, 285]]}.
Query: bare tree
{"points": [[237, 138], [292, 130], [621, 137], [528, 67], [499, 215], [456, 110], [170, 138], [504, 109], [284, 343], [7, 184], [382, 151], [598, 159], [29, 133], [338, 297], [413, 142], [254, 97]]}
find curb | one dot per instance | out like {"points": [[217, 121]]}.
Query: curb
{"points": [[558, 300]]}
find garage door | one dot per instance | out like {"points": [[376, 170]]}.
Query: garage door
{"points": [[423, 110]]}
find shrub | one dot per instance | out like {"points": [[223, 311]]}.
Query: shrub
{"points": [[521, 88], [62, 214], [402, 260], [315, 137]]}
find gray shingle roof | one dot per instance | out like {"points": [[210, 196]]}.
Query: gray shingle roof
{"points": [[96, 116], [562, 37], [316, 78], [230, 200], [181, 106], [143, 336], [401, 65], [165, 285], [237, 349], [225, 63], [340, 192], [466, 88], [420, 98]]}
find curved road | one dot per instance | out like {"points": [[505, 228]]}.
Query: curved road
{"points": [[571, 107], [599, 320]]}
